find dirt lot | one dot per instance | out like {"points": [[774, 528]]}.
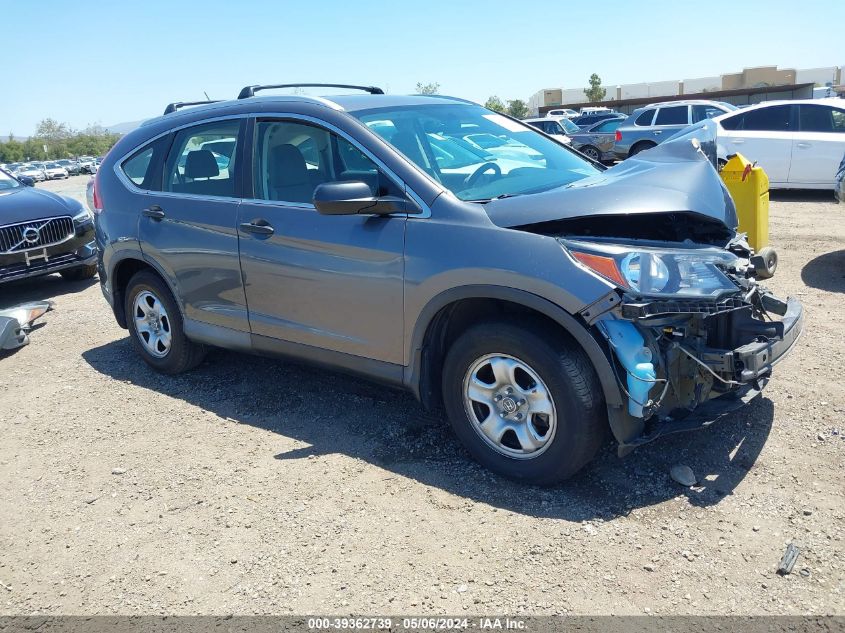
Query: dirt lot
{"points": [[258, 486]]}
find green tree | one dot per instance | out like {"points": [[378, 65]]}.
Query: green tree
{"points": [[11, 151], [517, 109], [495, 104], [427, 89], [595, 92]]}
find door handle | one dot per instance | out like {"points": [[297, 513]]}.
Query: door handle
{"points": [[656, 132], [804, 145], [257, 227], [153, 211], [739, 141]]}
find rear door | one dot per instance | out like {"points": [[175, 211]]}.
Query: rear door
{"points": [[329, 282], [763, 135], [189, 227], [818, 146], [669, 120]]}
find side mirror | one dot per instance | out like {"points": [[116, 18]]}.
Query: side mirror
{"points": [[355, 197], [26, 180]]}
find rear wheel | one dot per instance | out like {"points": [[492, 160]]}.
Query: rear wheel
{"points": [[155, 326], [641, 147], [79, 273], [524, 401], [591, 152]]}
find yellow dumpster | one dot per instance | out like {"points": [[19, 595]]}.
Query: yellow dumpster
{"points": [[749, 188]]}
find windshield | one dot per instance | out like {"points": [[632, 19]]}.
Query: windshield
{"points": [[7, 182], [475, 153]]}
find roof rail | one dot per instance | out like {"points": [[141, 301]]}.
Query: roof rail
{"points": [[172, 107], [249, 91]]}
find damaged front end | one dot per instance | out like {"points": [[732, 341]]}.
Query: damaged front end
{"points": [[693, 335], [690, 332]]}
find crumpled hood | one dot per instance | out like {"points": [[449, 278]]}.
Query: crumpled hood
{"points": [[671, 177], [29, 203]]}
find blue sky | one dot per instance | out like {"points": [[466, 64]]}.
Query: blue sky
{"points": [[124, 60]]}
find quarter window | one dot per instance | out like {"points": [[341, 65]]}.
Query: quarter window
{"points": [[674, 115], [645, 118], [140, 167], [202, 160], [292, 158], [702, 112]]}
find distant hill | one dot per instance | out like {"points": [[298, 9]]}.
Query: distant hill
{"points": [[123, 128]]}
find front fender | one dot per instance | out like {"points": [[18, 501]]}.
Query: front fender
{"points": [[623, 426]]}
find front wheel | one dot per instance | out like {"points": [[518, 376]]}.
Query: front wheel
{"points": [[524, 401], [155, 326]]}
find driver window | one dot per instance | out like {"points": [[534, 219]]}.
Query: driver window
{"points": [[292, 158]]}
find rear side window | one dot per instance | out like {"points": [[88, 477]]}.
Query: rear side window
{"points": [[140, 168], [645, 118], [819, 118], [202, 160], [608, 126], [674, 115]]}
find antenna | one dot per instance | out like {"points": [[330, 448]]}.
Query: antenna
{"points": [[206, 95]]}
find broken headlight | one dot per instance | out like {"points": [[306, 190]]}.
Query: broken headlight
{"points": [[693, 272]]}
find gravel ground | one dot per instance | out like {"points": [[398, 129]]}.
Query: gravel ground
{"points": [[254, 485]]}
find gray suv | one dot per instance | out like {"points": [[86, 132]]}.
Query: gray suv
{"points": [[653, 124], [535, 296]]}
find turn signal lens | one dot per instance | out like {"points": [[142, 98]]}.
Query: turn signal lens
{"points": [[618, 136], [604, 266]]}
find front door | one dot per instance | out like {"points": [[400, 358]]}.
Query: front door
{"points": [[329, 282]]}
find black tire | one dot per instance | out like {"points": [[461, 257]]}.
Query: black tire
{"points": [[770, 260], [591, 152], [183, 353], [79, 273], [568, 374], [641, 147]]}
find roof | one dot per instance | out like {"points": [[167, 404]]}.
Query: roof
{"points": [[684, 102], [830, 101], [347, 103]]}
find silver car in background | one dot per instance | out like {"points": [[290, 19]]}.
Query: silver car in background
{"points": [[596, 141], [654, 123], [32, 171]]}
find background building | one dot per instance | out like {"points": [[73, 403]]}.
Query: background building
{"points": [[751, 85]]}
